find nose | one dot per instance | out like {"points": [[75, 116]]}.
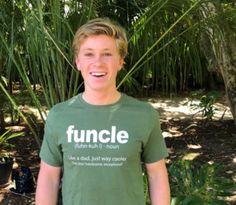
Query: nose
{"points": [[98, 60]]}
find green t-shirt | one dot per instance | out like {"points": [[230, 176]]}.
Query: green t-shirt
{"points": [[101, 149]]}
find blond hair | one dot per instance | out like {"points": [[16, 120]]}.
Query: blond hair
{"points": [[102, 26]]}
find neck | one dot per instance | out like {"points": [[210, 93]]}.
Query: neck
{"points": [[98, 98]]}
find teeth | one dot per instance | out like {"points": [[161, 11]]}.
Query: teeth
{"points": [[98, 74]]}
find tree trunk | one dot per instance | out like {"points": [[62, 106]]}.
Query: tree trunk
{"points": [[220, 51], [227, 66]]}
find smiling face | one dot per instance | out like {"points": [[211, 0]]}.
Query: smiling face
{"points": [[99, 61]]}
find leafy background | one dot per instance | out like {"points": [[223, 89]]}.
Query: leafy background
{"points": [[175, 46]]}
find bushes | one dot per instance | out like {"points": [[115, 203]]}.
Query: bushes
{"points": [[193, 184]]}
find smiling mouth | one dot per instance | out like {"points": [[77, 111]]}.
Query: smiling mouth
{"points": [[98, 74]]}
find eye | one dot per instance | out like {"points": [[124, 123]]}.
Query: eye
{"points": [[88, 54], [107, 54]]}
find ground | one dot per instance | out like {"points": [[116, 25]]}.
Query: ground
{"points": [[187, 137]]}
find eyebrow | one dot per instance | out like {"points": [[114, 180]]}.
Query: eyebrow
{"points": [[91, 49]]}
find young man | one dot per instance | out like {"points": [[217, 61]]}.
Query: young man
{"points": [[99, 139]]}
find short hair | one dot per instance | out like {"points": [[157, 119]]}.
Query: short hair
{"points": [[101, 26]]}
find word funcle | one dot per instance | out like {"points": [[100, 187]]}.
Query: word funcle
{"points": [[94, 136]]}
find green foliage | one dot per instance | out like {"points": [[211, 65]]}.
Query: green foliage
{"points": [[3, 103], [163, 41], [146, 190], [193, 185], [14, 105], [206, 105], [6, 136]]}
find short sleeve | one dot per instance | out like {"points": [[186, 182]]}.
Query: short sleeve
{"points": [[155, 147], [50, 150]]}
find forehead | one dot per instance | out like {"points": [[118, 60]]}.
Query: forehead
{"points": [[98, 42]]}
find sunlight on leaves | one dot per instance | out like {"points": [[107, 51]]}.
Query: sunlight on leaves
{"points": [[191, 156]]}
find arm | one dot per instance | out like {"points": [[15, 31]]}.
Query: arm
{"points": [[48, 184], [158, 183]]}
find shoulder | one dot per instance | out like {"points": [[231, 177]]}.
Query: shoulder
{"points": [[68, 103], [138, 104], [63, 107], [144, 108]]}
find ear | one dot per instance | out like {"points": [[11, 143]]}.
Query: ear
{"points": [[122, 62], [77, 63]]}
